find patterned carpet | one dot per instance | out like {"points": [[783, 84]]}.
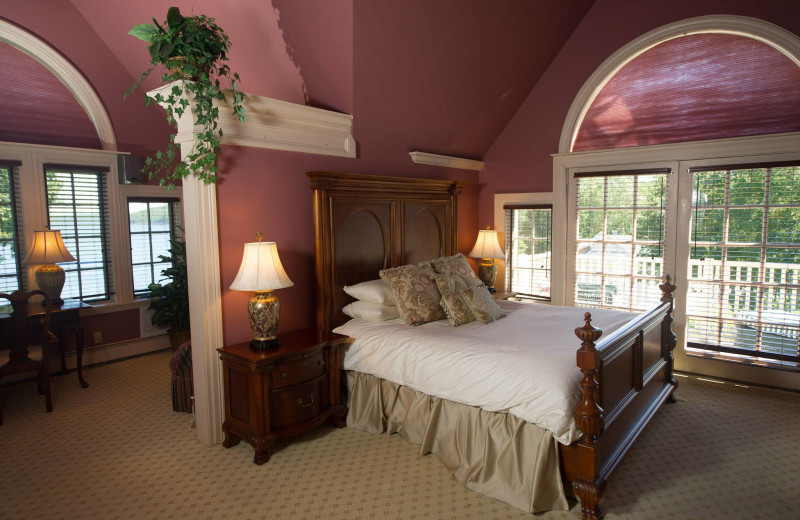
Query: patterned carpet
{"points": [[117, 451]]}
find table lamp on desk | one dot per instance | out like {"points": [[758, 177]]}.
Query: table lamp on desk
{"points": [[48, 249]]}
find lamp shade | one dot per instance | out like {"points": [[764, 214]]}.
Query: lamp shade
{"points": [[48, 248], [487, 245], [261, 269]]}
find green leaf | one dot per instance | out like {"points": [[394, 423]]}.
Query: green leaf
{"points": [[144, 31], [174, 17]]}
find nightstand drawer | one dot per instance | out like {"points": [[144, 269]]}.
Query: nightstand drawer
{"points": [[298, 404], [298, 369]]}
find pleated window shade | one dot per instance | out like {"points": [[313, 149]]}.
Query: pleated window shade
{"points": [[77, 206], [692, 88], [528, 245], [618, 245], [744, 268], [10, 228]]}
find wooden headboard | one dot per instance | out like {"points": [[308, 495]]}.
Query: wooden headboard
{"points": [[365, 223]]}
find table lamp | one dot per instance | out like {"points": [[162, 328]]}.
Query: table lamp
{"points": [[48, 249], [261, 271], [487, 248]]}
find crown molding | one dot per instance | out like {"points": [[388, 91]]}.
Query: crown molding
{"points": [[275, 124], [446, 161]]}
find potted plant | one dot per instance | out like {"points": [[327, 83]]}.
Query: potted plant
{"points": [[170, 301], [193, 49]]}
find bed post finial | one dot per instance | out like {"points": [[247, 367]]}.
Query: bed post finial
{"points": [[588, 414], [667, 288]]}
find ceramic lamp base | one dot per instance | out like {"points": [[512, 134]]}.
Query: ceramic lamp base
{"points": [[264, 310], [50, 279], [487, 272]]}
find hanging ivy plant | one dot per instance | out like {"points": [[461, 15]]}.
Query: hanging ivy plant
{"points": [[193, 49]]}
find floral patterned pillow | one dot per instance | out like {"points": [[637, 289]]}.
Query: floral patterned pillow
{"points": [[481, 303], [415, 292], [456, 265], [453, 302]]}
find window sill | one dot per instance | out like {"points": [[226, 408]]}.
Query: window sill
{"points": [[742, 360], [108, 308]]}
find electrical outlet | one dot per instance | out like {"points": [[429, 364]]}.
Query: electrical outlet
{"points": [[98, 337]]}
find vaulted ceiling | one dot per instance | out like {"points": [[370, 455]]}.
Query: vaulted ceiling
{"points": [[441, 76]]}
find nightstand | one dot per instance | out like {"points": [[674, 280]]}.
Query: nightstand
{"points": [[283, 391]]}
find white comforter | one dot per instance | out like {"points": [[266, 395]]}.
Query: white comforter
{"points": [[523, 364]]}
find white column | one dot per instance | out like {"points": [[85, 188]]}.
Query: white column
{"points": [[205, 293]]}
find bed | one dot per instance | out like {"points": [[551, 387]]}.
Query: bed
{"points": [[366, 223]]}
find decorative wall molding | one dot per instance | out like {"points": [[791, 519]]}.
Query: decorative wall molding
{"points": [[66, 72], [278, 125], [446, 161], [777, 37]]}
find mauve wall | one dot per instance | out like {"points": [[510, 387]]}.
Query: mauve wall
{"points": [[268, 190], [401, 65], [519, 160]]}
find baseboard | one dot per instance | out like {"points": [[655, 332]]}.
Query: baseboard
{"points": [[112, 352]]}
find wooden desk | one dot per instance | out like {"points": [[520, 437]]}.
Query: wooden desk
{"points": [[64, 317]]}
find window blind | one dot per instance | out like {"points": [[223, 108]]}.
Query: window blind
{"points": [[528, 245], [11, 249], [744, 268], [618, 245], [77, 205]]}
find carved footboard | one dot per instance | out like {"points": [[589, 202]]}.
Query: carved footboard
{"points": [[626, 379]]}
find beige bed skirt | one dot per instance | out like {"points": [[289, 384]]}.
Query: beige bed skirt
{"points": [[495, 454]]}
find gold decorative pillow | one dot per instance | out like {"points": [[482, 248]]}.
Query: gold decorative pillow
{"points": [[481, 303], [453, 303], [457, 265], [415, 293]]}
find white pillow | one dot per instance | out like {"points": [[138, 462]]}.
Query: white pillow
{"points": [[371, 311], [375, 291]]}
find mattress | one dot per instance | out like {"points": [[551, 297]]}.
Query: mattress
{"points": [[523, 364]]}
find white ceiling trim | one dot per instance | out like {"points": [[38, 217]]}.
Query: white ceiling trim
{"points": [[446, 161], [66, 72], [777, 37]]}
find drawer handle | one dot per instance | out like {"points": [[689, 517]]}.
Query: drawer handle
{"points": [[305, 405], [284, 375]]}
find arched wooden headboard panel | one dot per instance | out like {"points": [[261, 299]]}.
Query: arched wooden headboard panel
{"points": [[365, 223]]}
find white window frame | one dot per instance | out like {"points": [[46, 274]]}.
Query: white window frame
{"points": [[680, 157], [502, 199], [34, 210], [143, 191], [566, 293]]}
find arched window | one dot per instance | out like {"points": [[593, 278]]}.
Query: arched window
{"points": [[693, 88], [711, 107], [703, 78], [46, 68]]}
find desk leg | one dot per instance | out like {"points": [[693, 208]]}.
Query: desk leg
{"points": [[61, 350], [79, 353]]}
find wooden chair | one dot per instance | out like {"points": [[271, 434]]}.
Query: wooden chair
{"points": [[24, 351]]}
